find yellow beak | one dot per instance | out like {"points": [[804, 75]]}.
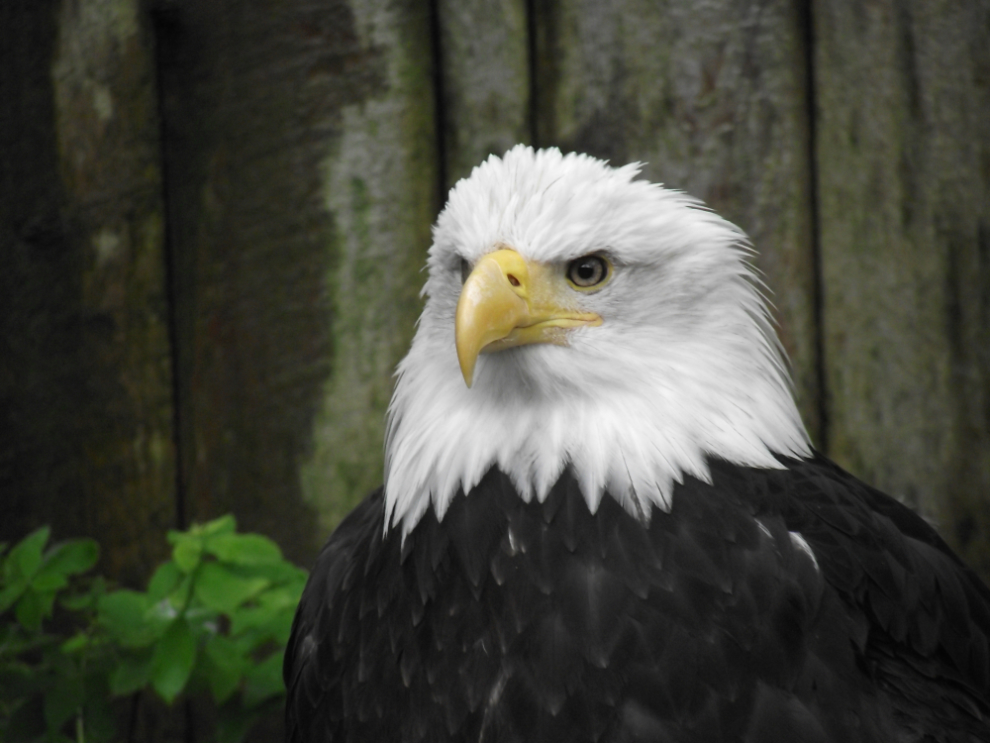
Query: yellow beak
{"points": [[508, 302]]}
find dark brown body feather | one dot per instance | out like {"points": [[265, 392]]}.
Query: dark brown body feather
{"points": [[514, 621]]}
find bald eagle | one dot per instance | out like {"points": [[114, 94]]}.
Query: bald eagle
{"points": [[602, 518]]}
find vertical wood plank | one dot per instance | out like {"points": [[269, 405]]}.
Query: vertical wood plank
{"points": [[381, 186], [713, 98], [301, 169], [484, 51], [86, 387], [904, 147]]}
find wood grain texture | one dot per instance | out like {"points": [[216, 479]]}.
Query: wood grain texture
{"points": [[245, 122], [86, 385], [904, 151], [484, 53], [380, 188], [712, 97], [301, 169]]}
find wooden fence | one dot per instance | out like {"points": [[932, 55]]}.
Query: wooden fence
{"points": [[214, 214]]}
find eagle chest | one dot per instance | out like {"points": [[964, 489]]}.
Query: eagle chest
{"points": [[542, 621]]}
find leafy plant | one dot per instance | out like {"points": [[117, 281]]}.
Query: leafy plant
{"points": [[214, 620]]}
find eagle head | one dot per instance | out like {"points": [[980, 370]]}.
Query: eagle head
{"points": [[578, 317]]}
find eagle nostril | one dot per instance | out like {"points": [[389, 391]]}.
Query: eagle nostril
{"points": [[513, 280]]}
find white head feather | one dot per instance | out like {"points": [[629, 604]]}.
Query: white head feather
{"points": [[685, 365]]}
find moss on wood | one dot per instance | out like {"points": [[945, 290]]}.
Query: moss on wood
{"points": [[904, 101], [380, 187], [484, 51]]}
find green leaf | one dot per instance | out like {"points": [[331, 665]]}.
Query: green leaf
{"points": [[85, 600], [252, 617], [164, 581], [11, 593], [78, 601], [226, 524], [264, 681], [79, 641], [223, 525], [131, 674], [283, 572], [72, 557], [173, 660], [32, 607], [182, 594], [45, 581], [25, 559], [130, 619], [244, 549], [220, 589], [224, 667], [187, 554], [272, 616]]}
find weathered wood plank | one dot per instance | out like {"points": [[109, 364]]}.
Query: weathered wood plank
{"points": [[484, 52], [381, 189], [86, 387], [300, 153], [713, 98], [904, 152]]}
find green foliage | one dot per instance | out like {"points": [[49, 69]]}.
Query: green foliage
{"points": [[214, 620]]}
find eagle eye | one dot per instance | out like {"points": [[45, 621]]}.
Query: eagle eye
{"points": [[588, 271]]}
